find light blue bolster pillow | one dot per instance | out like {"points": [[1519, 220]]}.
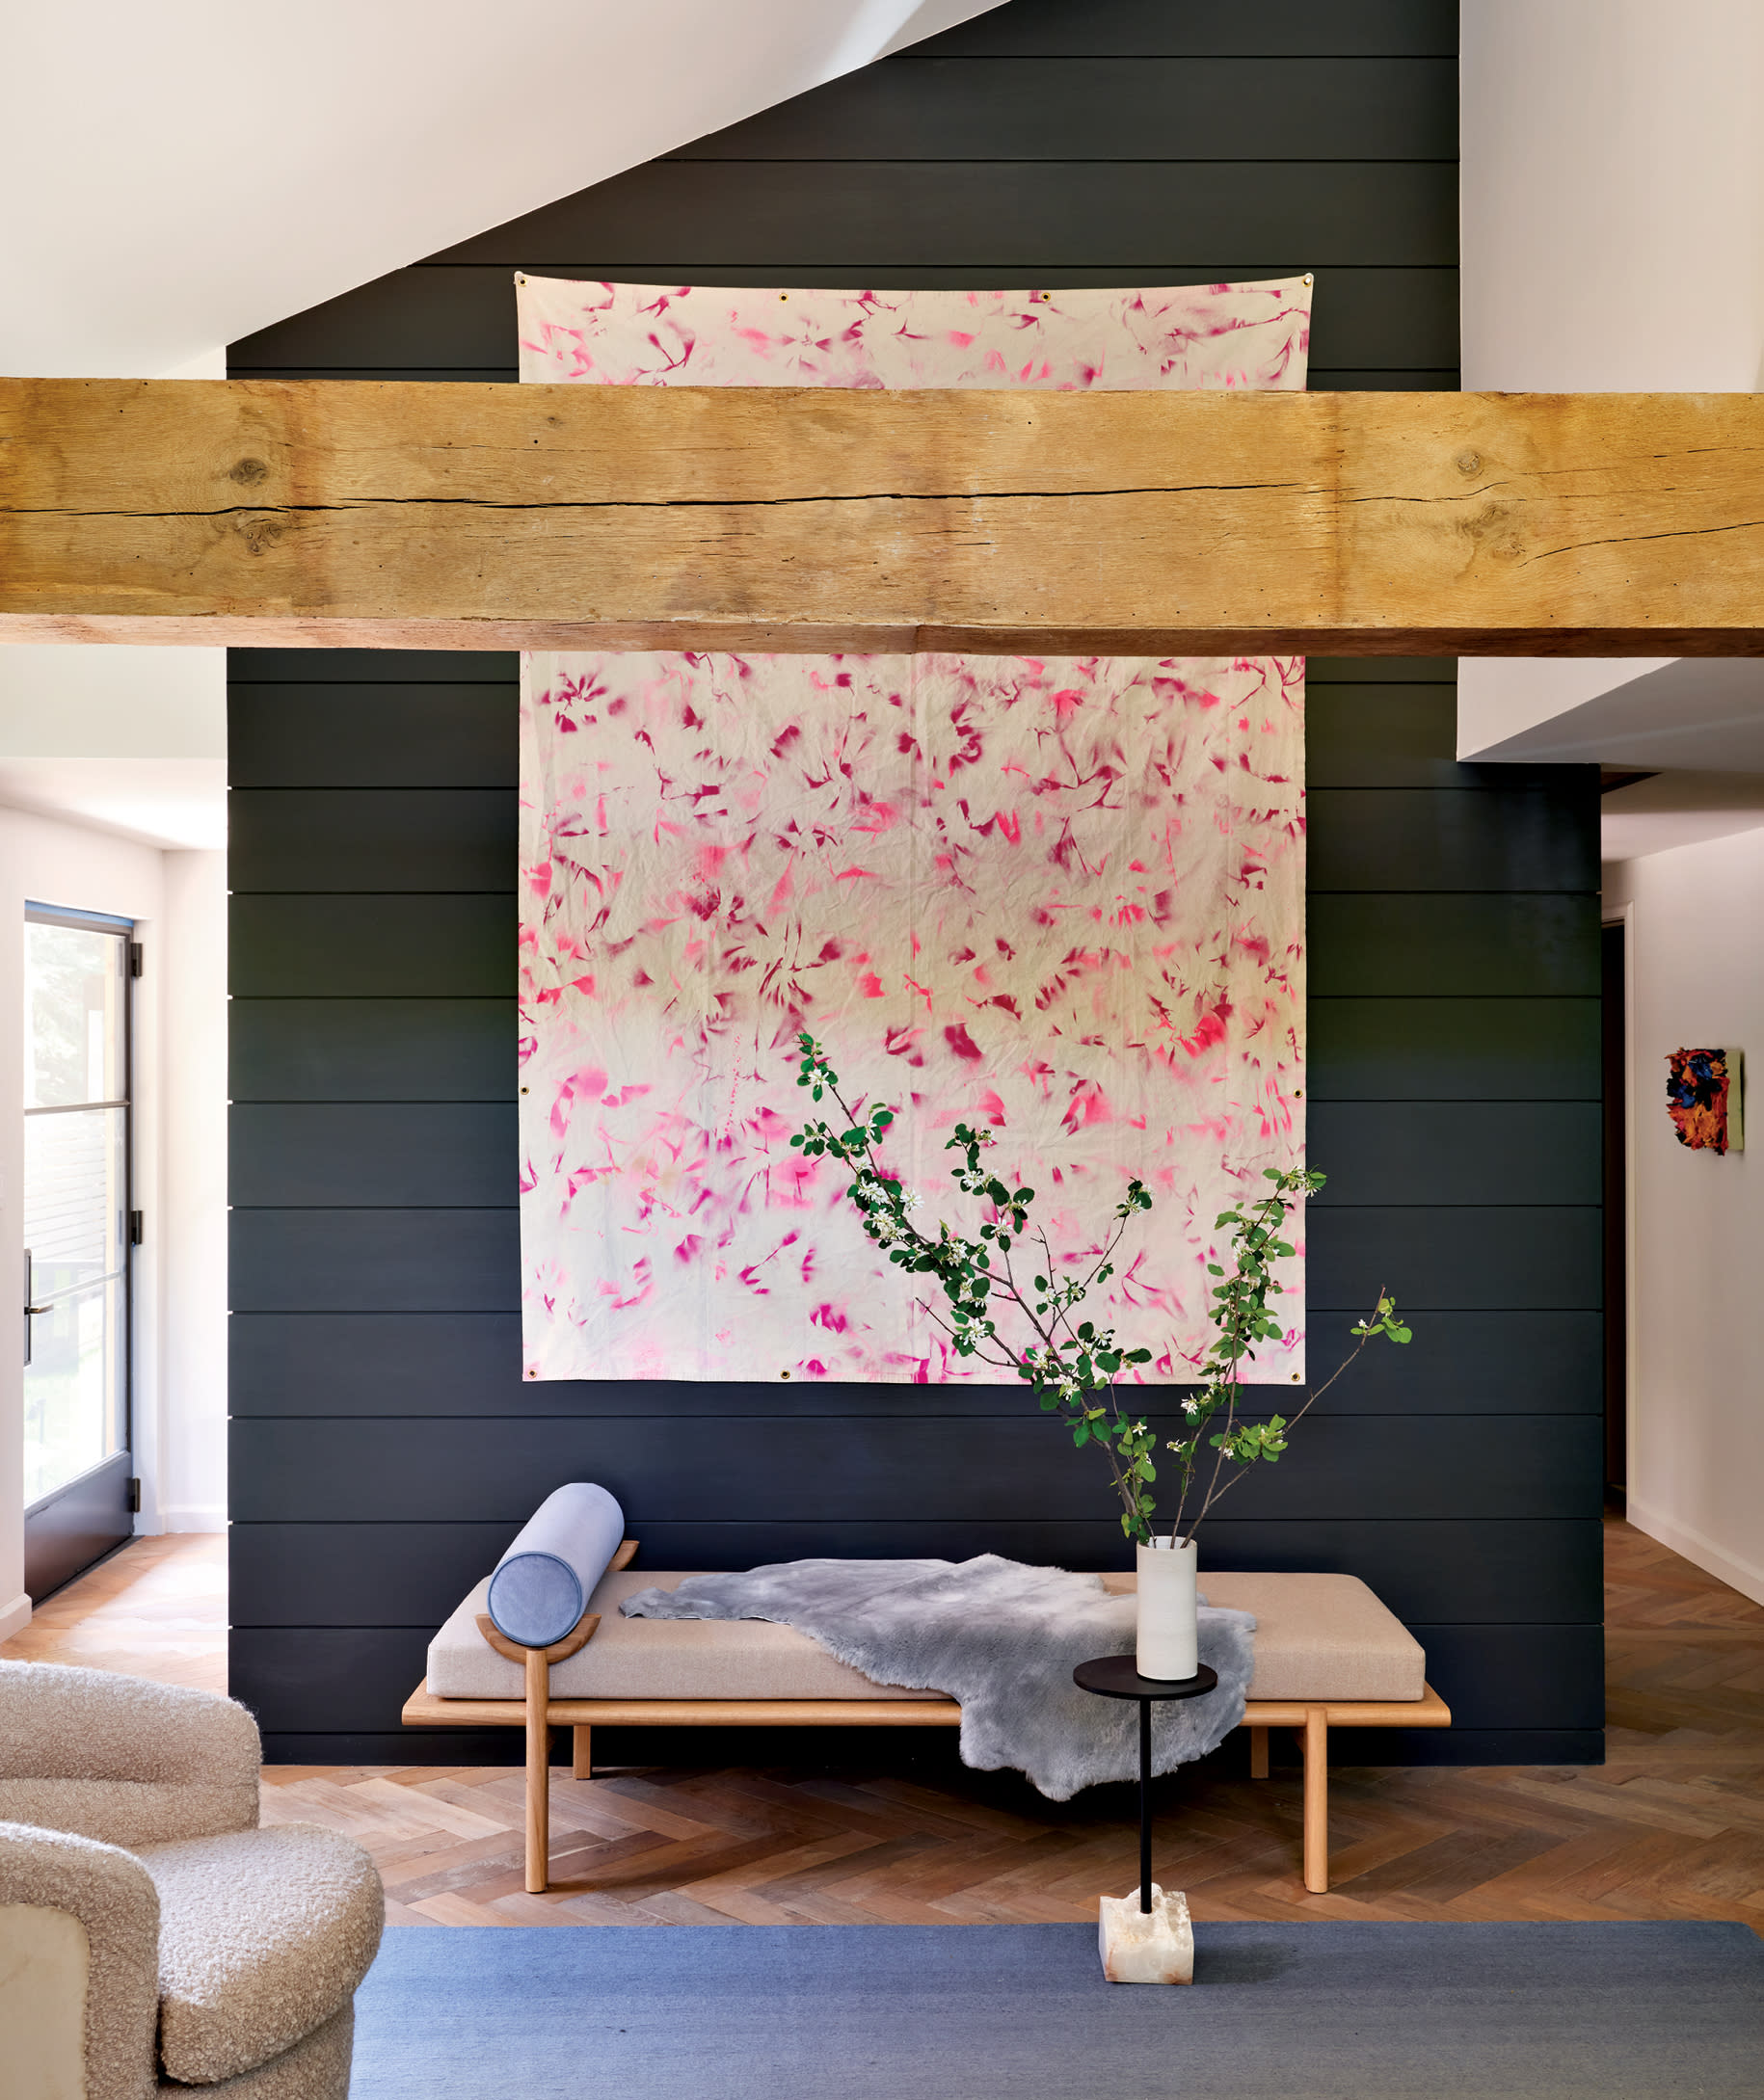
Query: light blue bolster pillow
{"points": [[542, 1585]]}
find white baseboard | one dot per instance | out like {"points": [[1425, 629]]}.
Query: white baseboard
{"points": [[1710, 1558], [194, 1517], [15, 1617]]}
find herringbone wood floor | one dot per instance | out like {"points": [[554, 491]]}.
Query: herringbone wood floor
{"points": [[1672, 1826], [157, 1608]]}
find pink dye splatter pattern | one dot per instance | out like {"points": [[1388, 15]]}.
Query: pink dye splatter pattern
{"points": [[1213, 335], [1062, 896]]}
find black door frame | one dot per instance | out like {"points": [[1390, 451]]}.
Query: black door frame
{"points": [[1615, 967], [87, 1518]]}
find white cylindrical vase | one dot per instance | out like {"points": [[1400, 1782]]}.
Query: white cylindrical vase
{"points": [[1168, 1643]]}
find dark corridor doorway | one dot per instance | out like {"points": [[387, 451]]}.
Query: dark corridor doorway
{"points": [[1612, 1042]]}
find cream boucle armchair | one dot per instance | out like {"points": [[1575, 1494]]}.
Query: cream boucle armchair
{"points": [[152, 1937]]}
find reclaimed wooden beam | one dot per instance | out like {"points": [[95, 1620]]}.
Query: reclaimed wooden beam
{"points": [[406, 514]]}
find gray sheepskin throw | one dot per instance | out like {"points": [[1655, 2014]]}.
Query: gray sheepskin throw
{"points": [[1002, 1638]]}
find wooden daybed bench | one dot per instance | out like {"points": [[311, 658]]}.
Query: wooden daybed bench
{"points": [[1327, 1655]]}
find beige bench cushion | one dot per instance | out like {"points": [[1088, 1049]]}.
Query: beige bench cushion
{"points": [[655, 1659], [1318, 1636]]}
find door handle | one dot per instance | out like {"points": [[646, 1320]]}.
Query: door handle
{"points": [[31, 1312]]}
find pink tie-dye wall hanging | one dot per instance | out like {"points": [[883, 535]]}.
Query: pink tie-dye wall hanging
{"points": [[1065, 897]]}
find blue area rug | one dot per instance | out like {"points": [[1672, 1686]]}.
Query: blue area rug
{"points": [[1022, 2012]]}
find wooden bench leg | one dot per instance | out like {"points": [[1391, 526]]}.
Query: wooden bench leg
{"points": [[582, 1761], [538, 1772], [537, 1663], [1317, 1800], [1258, 1753]]}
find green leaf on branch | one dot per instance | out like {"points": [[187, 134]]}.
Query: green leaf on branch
{"points": [[1079, 1388]]}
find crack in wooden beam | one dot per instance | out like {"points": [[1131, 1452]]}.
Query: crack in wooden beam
{"points": [[410, 515], [672, 503]]}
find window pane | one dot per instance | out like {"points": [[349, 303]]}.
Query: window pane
{"points": [[72, 1389], [75, 1187], [73, 987]]}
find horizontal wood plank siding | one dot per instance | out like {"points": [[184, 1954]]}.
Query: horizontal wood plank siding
{"points": [[435, 1364], [1198, 29], [1022, 215], [1500, 1571], [457, 321], [1014, 1469], [385, 1446]]}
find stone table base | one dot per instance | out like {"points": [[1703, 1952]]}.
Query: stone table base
{"points": [[1141, 1949]]}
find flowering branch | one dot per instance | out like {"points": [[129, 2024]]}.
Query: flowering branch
{"points": [[1240, 1315], [1071, 1362]]}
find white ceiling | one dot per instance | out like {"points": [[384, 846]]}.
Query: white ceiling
{"points": [[133, 740], [1677, 808], [179, 174], [168, 803], [1695, 725], [1706, 713]]}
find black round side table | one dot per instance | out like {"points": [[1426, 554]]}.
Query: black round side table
{"points": [[1114, 1677]]}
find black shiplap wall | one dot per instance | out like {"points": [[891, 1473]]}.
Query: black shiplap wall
{"points": [[385, 1445]]}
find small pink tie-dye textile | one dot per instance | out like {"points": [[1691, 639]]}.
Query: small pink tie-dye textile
{"points": [[1061, 898]]}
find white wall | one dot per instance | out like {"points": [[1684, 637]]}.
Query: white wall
{"points": [[117, 754], [1696, 1372], [178, 900], [1612, 207], [1612, 195], [191, 1487], [48, 863]]}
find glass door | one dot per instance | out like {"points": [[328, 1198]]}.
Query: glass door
{"points": [[78, 1486]]}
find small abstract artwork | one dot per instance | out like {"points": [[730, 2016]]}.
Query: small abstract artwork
{"points": [[1703, 1098]]}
